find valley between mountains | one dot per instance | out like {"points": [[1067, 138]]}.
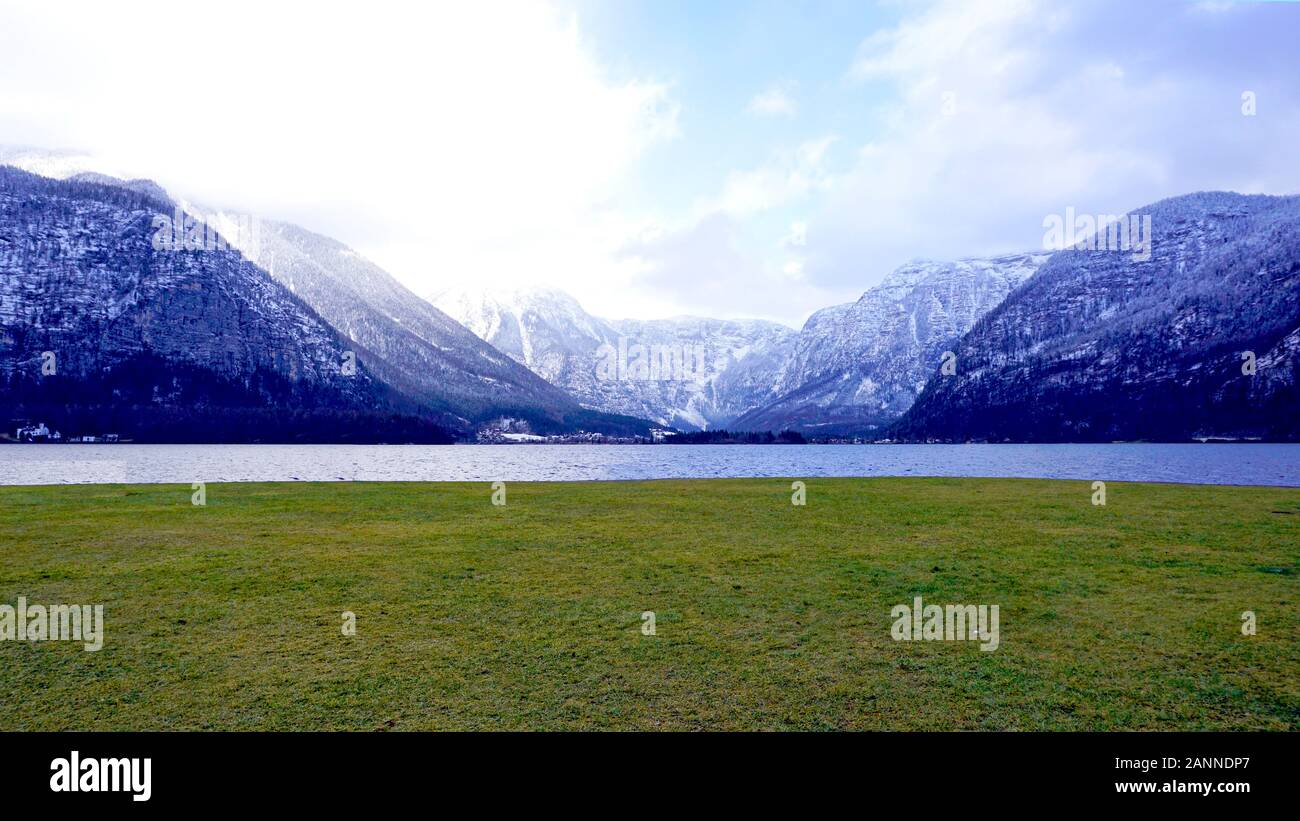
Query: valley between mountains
{"points": [[289, 335]]}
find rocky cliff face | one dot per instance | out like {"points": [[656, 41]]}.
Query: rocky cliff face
{"points": [[1102, 345], [856, 368], [687, 372], [82, 278], [93, 312], [410, 343], [1091, 345], [449, 373]]}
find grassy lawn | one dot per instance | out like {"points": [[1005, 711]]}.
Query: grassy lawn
{"points": [[768, 616]]}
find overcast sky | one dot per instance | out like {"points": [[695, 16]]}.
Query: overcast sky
{"points": [[658, 158]]}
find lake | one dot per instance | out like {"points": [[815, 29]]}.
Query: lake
{"points": [[1230, 464]]}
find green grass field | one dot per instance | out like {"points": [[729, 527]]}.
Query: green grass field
{"points": [[768, 616]]}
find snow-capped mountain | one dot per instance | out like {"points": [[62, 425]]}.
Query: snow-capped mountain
{"points": [[687, 372], [730, 361], [414, 346], [194, 345], [859, 366], [55, 164], [101, 326], [147, 187], [408, 344], [1201, 339], [545, 330]]}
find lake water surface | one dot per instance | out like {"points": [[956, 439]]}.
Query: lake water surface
{"points": [[1232, 464]]}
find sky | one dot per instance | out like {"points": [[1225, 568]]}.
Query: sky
{"points": [[727, 159]]}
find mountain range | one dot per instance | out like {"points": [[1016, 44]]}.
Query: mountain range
{"points": [[1201, 340], [423, 360], [857, 367], [716, 369], [99, 330], [411, 344], [853, 368], [289, 335]]}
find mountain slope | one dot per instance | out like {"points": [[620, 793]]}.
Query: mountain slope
{"points": [[415, 346], [99, 328], [408, 344], [857, 367], [697, 373], [43, 162], [1100, 346]]}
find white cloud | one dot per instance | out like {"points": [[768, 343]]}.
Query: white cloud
{"points": [[718, 260], [466, 143], [450, 142], [984, 118], [789, 176], [946, 33], [1214, 6], [714, 267], [1048, 106], [775, 101], [798, 234]]}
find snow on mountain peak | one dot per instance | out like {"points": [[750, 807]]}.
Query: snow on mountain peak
{"points": [[548, 331]]}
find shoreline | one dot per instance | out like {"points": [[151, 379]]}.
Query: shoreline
{"points": [[625, 481]]}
